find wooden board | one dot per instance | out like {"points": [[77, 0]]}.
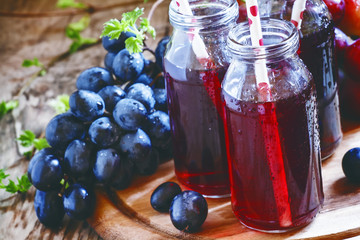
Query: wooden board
{"points": [[127, 214]]}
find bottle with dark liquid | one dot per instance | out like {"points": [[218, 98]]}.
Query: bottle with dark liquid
{"points": [[195, 62], [273, 144]]}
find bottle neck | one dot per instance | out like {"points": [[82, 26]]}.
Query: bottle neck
{"points": [[281, 40], [206, 15]]}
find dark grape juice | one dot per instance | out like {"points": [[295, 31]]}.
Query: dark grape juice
{"points": [[316, 50], [196, 118], [254, 200]]}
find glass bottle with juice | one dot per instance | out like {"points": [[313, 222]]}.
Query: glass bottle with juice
{"points": [[193, 76], [274, 147]]}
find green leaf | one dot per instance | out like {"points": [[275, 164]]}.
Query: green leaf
{"points": [[70, 4], [42, 72], [32, 62], [3, 175], [145, 1], [73, 30], [60, 104], [27, 138], [132, 16], [40, 143], [113, 29], [146, 27], [11, 187], [23, 184], [6, 107], [134, 45], [28, 154]]}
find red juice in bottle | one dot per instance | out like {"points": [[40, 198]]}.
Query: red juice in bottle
{"points": [[198, 131], [272, 133], [253, 198]]}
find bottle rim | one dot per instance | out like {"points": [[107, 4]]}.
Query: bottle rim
{"points": [[228, 13], [283, 32]]}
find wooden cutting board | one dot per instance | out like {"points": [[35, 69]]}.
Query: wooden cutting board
{"points": [[127, 214]]}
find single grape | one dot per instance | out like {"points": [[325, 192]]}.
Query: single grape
{"points": [[108, 61], [86, 105], [39, 155], [79, 158], [106, 165], [111, 96], [148, 166], [49, 208], [160, 96], [124, 176], [126, 66], [115, 45], [94, 79], [158, 128], [129, 114], [163, 195], [135, 145], [46, 173], [62, 129], [160, 50], [144, 79], [79, 201], [104, 132], [143, 94], [351, 165], [188, 211]]}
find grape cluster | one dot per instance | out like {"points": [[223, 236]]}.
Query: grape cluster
{"points": [[117, 127]]}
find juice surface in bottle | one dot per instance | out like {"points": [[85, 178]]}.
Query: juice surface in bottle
{"points": [[193, 77], [273, 143]]}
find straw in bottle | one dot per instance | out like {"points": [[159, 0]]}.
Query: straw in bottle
{"points": [[268, 120]]}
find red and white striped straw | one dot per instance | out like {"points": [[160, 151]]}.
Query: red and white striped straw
{"points": [[269, 122], [198, 45], [297, 13]]}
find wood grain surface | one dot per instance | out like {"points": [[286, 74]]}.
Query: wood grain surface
{"points": [[127, 214]]}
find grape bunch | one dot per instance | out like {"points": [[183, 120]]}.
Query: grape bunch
{"points": [[117, 127]]}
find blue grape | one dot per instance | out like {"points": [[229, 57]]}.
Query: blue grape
{"points": [[49, 208], [148, 166], [126, 66], [160, 51], [135, 145], [103, 132], [163, 195], [188, 211], [143, 94], [115, 45], [108, 61], [62, 129], [144, 79], [111, 96], [46, 173], [79, 201], [129, 114], [79, 158], [124, 176], [39, 155], [94, 79], [160, 96], [351, 165], [86, 105], [106, 165], [158, 128]]}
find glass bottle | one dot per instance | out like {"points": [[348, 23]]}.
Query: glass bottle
{"points": [[195, 62], [274, 148], [317, 52]]}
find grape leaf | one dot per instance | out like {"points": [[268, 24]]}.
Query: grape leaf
{"points": [[70, 4], [40, 143], [114, 27], [60, 104], [23, 184], [32, 62], [6, 107], [27, 138]]}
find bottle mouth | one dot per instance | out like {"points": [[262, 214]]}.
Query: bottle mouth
{"points": [[205, 14], [279, 37]]}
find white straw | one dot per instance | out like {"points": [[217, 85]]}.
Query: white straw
{"points": [[297, 13]]}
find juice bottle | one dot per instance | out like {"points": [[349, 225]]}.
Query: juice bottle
{"points": [[317, 52], [280, 133], [193, 84]]}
